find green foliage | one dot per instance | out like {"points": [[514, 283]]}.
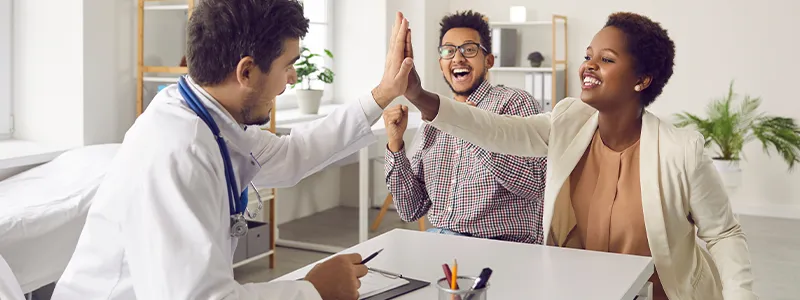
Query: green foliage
{"points": [[729, 129], [308, 70]]}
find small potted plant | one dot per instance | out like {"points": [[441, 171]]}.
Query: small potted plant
{"points": [[729, 128], [536, 59], [308, 99]]}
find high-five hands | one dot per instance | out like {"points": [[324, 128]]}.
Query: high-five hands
{"points": [[396, 121], [398, 65], [414, 85]]}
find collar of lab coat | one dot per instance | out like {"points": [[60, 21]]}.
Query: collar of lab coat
{"points": [[235, 134]]}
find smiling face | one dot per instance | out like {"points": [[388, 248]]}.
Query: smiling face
{"points": [[608, 74], [464, 72], [263, 88]]}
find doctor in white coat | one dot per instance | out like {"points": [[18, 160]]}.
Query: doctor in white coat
{"points": [[161, 223]]}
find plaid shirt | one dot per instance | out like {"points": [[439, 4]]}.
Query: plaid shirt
{"points": [[467, 189]]}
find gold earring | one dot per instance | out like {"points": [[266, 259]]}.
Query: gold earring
{"points": [[637, 88]]}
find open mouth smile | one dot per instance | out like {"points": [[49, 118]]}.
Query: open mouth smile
{"points": [[590, 81], [461, 74]]}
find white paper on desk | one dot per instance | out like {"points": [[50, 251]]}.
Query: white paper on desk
{"points": [[374, 283]]}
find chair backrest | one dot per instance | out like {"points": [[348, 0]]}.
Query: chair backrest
{"points": [[9, 286]]}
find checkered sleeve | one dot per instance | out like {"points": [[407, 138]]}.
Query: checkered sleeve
{"points": [[406, 183], [523, 176]]}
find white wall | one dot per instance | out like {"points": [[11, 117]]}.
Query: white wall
{"points": [[86, 52], [360, 50], [109, 86], [6, 24], [48, 71], [716, 41]]}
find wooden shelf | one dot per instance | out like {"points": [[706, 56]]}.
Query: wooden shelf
{"points": [[164, 69], [160, 79], [559, 87], [167, 7], [525, 69], [528, 23]]}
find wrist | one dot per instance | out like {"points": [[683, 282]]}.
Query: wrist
{"points": [[395, 145], [380, 97]]}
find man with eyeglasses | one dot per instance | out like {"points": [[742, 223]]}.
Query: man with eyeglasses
{"points": [[463, 189]]}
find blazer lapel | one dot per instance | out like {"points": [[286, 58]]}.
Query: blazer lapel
{"points": [[558, 208], [649, 174]]}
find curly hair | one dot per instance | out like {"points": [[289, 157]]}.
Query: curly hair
{"points": [[652, 50], [467, 19], [222, 32]]}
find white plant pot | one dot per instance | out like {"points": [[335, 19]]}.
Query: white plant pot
{"points": [[730, 172], [308, 101]]}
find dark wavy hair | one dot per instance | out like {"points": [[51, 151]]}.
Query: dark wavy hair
{"points": [[222, 32]]}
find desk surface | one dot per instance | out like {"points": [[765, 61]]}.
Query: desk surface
{"points": [[520, 270]]}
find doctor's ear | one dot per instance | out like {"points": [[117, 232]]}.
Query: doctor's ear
{"points": [[245, 69]]}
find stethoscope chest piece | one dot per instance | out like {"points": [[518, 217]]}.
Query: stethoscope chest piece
{"points": [[238, 226]]}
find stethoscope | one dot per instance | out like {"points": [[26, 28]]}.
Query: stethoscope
{"points": [[237, 202]]}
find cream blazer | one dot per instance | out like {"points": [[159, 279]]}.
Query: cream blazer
{"points": [[682, 195]]}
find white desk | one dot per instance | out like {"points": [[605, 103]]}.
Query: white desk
{"points": [[363, 158], [520, 271]]}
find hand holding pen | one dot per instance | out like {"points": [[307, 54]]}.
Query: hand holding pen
{"points": [[338, 277]]}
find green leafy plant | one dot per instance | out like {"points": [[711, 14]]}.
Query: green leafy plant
{"points": [[308, 70], [729, 128]]}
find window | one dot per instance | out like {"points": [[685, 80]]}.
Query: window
{"points": [[5, 69], [319, 13]]}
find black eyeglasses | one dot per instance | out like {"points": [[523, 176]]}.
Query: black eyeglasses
{"points": [[468, 50]]}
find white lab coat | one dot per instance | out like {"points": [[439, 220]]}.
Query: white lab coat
{"points": [[159, 226]]}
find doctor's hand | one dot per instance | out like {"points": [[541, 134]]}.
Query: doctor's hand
{"points": [[398, 65], [396, 121], [338, 277]]}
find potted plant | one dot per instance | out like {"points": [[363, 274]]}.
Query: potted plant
{"points": [[728, 128], [536, 59], [308, 99]]}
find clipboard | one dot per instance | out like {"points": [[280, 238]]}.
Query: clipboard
{"points": [[411, 286]]}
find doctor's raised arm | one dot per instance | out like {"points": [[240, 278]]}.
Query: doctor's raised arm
{"points": [[167, 217], [309, 148]]}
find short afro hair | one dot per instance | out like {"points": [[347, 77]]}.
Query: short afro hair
{"points": [[652, 50], [222, 32], [468, 19]]}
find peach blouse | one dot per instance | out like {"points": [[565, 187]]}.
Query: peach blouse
{"points": [[607, 200]]}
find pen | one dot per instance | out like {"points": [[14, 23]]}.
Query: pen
{"points": [[387, 273], [481, 282], [366, 260], [448, 274]]}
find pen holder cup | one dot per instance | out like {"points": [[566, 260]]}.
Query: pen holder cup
{"points": [[463, 292]]}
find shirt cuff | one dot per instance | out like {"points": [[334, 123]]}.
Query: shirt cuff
{"points": [[371, 108], [391, 157]]}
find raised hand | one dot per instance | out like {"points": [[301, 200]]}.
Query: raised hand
{"points": [[338, 277], [414, 85], [398, 65], [396, 121]]}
